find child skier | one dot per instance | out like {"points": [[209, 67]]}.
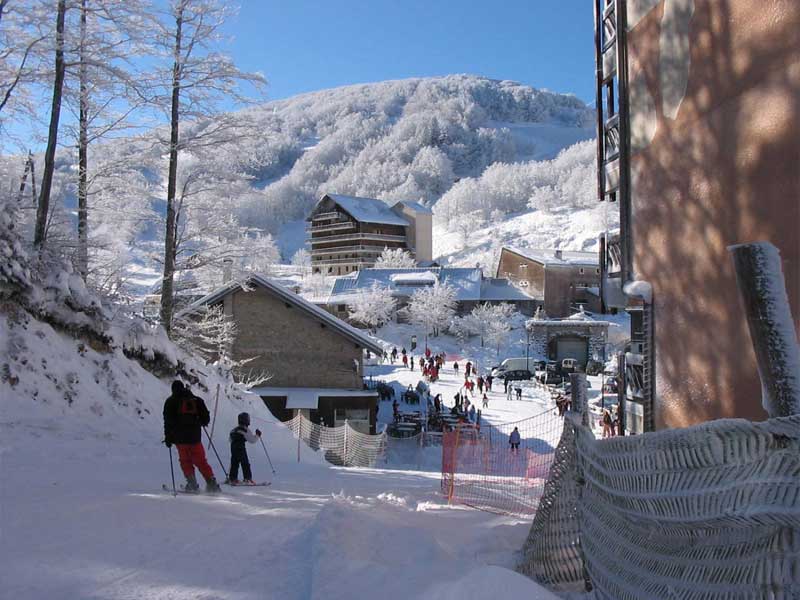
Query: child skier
{"points": [[239, 435]]}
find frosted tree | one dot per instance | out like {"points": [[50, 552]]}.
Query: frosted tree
{"points": [[109, 35], [490, 322], [25, 29], [372, 307], [302, 260], [432, 308], [43, 205], [198, 78], [211, 334], [395, 258], [316, 285]]}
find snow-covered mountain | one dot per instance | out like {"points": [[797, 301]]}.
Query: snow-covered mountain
{"points": [[475, 149]]}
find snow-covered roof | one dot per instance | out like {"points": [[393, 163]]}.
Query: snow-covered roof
{"points": [[549, 258], [296, 300], [415, 206], [300, 397], [424, 278], [502, 289], [578, 318], [404, 282], [468, 283], [367, 210]]}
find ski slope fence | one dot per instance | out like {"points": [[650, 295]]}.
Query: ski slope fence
{"points": [[485, 472], [343, 445], [710, 511]]}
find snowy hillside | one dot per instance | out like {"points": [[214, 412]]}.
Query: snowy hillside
{"points": [[84, 515], [408, 139]]}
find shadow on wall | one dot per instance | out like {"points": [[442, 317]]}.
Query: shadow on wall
{"points": [[724, 172]]}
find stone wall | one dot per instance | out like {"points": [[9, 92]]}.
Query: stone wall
{"points": [[294, 347]]}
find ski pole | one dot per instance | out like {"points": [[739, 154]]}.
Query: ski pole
{"points": [[214, 448], [172, 472], [267, 453]]}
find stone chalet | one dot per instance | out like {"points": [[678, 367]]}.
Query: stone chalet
{"points": [[472, 288], [578, 336], [561, 281], [347, 234], [314, 358]]}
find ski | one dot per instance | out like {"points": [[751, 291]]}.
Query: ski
{"points": [[263, 484], [182, 490]]}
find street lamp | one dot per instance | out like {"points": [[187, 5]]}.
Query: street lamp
{"points": [[527, 348]]}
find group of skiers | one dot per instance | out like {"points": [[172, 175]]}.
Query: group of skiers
{"points": [[185, 414]]}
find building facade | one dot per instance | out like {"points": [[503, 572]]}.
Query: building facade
{"points": [[562, 281], [347, 233], [314, 360], [698, 143]]}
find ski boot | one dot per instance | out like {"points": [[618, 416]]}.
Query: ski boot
{"points": [[233, 482], [248, 482], [212, 487], [191, 484]]}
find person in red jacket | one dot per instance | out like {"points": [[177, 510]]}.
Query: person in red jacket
{"points": [[184, 415]]}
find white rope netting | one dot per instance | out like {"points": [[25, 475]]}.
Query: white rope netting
{"points": [[343, 445]]}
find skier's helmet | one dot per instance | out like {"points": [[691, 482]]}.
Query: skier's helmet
{"points": [[244, 419]]}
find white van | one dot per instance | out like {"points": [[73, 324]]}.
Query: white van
{"points": [[515, 364]]}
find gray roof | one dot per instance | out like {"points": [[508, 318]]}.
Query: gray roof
{"points": [[287, 295], [367, 210], [468, 283], [548, 257]]}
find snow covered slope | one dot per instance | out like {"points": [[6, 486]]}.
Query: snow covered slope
{"points": [[83, 514]]}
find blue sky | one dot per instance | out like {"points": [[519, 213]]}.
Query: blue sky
{"points": [[307, 45]]}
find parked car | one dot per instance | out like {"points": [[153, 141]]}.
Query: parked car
{"points": [[569, 365], [517, 375], [551, 378], [514, 364]]}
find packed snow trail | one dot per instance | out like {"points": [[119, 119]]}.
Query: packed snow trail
{"points": [[83, 514]]}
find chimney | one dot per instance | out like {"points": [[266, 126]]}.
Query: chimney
{"points": [[227, 270], [559, 254]]}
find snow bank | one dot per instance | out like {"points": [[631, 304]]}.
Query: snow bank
{"points": [[641, 289]]}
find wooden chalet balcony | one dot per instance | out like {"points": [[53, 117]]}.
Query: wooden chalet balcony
{"points": [[356, 237], [326, 216], [343, 261], [339, 249], [331, 226]]}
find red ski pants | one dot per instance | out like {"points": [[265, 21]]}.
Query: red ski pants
{"points": [[191, 456]]}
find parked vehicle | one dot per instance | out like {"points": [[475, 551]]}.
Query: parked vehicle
{"points": [[594, 367], [517, 375], [569, 365], [551, 378], [514, 364]]}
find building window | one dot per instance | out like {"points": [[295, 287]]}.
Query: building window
{"points": [[523, 266], [581, 270], [597, 271]]}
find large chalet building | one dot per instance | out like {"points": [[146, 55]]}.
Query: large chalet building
{"points": [[347, 233]]}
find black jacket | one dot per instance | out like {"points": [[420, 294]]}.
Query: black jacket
{"points": [[184, 415]]}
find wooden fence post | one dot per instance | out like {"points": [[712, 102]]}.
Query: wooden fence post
{"points": [[762, 289]]}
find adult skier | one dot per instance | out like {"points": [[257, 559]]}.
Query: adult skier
{"points": [[184, 415], [238, 436]]}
